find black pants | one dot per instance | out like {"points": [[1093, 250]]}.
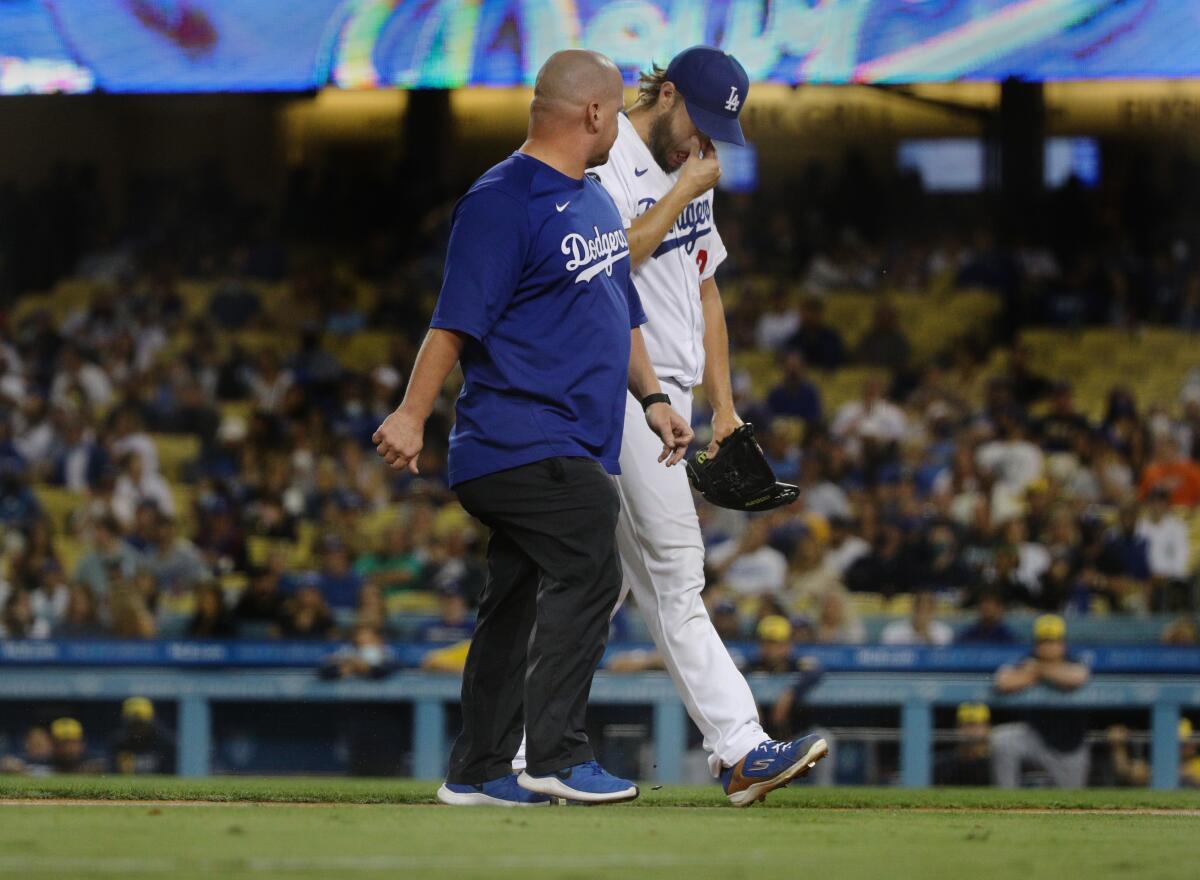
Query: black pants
{"points": [[553, 579]]}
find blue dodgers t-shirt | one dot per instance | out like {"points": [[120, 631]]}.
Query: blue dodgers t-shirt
{"points": [[537, 274]]}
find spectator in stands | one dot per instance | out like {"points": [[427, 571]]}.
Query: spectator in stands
{"points": [[220, 537], [454, 622], [778, 321], [17, 621], [1125, 554], [1169, 471], [37, 755], [452, 561], [846, 547], [128, 609], [79, 458], [128, 435], [81, 619], [140, 744], [780, 445], [749, 565], [872, 425], [1002, 577], [80, 383], [820, 344], [338, 582], [810, 578], [1013, 463], [307, 616], [970, 761], [884, 343], [795, 395], [920, 628], [1063, 427], [989, 626], [70, 749], [194, 414], [108, 550], [838, 624], [137, 485], [1057, 743], [269, 383], [173, 561], [941, 566], [50, 596], [36, 555], [1168, 551], [18, 505], [36, 435], [820, 495], [212, 619], [367, 656], [396, 565], [261, 602]]}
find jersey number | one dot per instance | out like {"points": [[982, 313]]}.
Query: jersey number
{"points": [[702, 259]]}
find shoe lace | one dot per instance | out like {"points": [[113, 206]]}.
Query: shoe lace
{"points": [[592, 767]]}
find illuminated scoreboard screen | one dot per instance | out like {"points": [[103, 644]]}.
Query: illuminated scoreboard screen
{"points": [[297, 45]]}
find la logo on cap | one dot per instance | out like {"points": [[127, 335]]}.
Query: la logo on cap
{"points": [[734, 101]]}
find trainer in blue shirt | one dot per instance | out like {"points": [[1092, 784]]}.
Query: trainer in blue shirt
{"points": [[538, 307]]}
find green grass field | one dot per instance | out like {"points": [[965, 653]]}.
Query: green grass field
{"points": [[333, 828]]}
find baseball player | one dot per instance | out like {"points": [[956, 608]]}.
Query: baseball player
{"points": [[538, 306], [660, 173]]}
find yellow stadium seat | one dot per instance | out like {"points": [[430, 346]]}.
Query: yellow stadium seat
{"points": [[174, 452], [58, 503]]}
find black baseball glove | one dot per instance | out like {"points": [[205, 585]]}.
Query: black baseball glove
{"points": [[738, 476]]}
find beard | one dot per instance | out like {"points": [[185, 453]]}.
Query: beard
{"points": [[661, 142]]}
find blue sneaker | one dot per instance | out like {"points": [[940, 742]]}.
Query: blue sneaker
{"points": [[769, 766], [502, 792], [586, 783]]}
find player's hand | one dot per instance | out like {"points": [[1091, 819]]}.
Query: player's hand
{"points": [[399, 440], [699, 173], [676, 433], [723, 424]]}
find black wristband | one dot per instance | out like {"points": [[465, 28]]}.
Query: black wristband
{"points": [[651, 399]]}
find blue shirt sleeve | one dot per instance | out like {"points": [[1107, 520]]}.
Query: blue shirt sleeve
{"points": [[637, 315], [488, 243]]}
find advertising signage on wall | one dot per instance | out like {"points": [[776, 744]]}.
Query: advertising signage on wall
{"points": [[287, 45]]}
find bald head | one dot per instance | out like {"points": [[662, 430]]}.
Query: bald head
{"points": [[574, 78], [576, 100]]}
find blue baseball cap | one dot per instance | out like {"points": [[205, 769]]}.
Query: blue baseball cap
{"points": [[714, 88]]}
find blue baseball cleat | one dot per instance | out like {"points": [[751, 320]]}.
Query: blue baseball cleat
{"points": [[502, 792], [769, 766], [586, 783]]}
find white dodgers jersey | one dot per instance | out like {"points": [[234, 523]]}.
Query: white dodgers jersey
{"points": [[668, 282]]}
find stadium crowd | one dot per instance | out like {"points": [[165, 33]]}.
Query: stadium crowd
{"points": [[975, 490]]}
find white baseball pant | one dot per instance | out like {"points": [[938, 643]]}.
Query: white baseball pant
{"points": [[662, 556]]}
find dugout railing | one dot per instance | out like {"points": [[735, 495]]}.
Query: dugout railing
{"points": [[914, 694]]}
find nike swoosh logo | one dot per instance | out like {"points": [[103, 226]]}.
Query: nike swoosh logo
{"points": [[562, 207], [638, 172]]}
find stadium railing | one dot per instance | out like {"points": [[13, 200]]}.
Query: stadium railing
{"points": [[913, 680]]}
